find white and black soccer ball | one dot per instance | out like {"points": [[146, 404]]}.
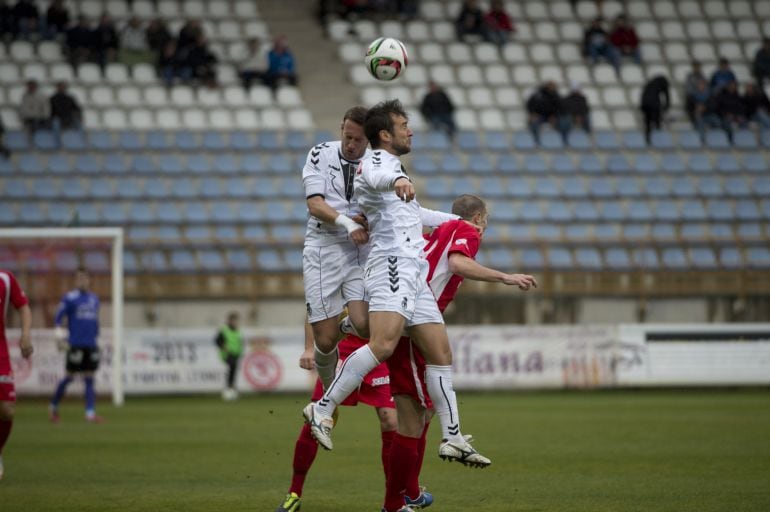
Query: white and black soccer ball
{"points": [[386, 58]]}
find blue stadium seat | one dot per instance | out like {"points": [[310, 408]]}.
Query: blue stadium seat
{"points": [[693, 210], [468, 141], [169, 213], [114, 213], [530, 210], [213, 141], [140, 235], [211, 260], [276, 211], [269, 260], [606, 140], [611, 211], [170, 164], [182, 260], [672, 163], [546, 187], [690, 140], [240, 187], [693, 231], [98, 261], [645, 258], [480, 163], [764, 206], [600, 188], [452, 163], [73, 140], [559, 257], [618, 164], [574, 187], [519, 233], [617, 258], [298, 141], [45, 140], [721, 231], [269, 140], [153, 260], [497, 141], [199, 163], [186, 140], [507, 163], [754, 162], [437, 141], [283, 233], [737, 187], [130, 141], [532, 258], [491, 188], [702, 257], [143, 164], [588, 258], [197, 233], [503, 211], [535, 164], [74, 189], [749, 231], [717, 139], [252, 164], [656, 187], [30, 163], [634, 140], [627, 187], [710, 187], [101, 140], [6, 166], [114, 163], [551, 140], [635, 232], [130, 189], [46, 188], [130, 263], [8, 213], [242, 141], [562, 163], [667, 210], [212, 187], [222, 212], [548, 232], [298, 212], [663, 231], [170, 235], [758, 257], [292, 258], [586, 211], [519, 188], [255, 233], [280, 164], [184, 189], [674, 257], [157, 140], [89, 214], [59, 164], [746, 209], [250, 212], [225, 164], [424, 164], [577, 232], [16, 141], [500, 258], [662, 140], [578, 140], [461, 186], [730, 257], [646, 163], [719, 210], [727, 163], [262, 188], [238, 260], [683, 187], [196, 212], [523, 141], [99, 188], [225, 234], [745, 139], [15, 189], [60, 214], [495, 233]]}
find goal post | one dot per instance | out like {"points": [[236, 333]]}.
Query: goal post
{"points": [[115, 236]]}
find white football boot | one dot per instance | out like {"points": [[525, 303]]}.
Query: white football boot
{"points": [[320, 426], [463, 453]]}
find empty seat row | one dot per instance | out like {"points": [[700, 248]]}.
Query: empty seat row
{"points": [[166, 8]]}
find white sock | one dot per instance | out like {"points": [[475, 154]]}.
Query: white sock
{"points": [[351, 373], [326, 365], [439, 382]]}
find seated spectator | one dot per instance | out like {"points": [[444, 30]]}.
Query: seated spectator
{"points": [[133, 44], [701, 113], [80, 42], [203, 62], [545, 106], [8, 27], [722, 76], [756, 105], [158, 35], [35, 109], [656, 99], [254, 64], [596, 43], [692, 87], [499, 24], [106, 41], [3, 148], [577, 113], [27, 18], [471, 21], [624, 38], [66, 113], [730, 108], [172, 64], [57, 19], [761, 66], [189, 34], [438, 110], [280, 64]]}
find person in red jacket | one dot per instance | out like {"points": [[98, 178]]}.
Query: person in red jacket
{"points": [[624, 38], [499, 22]]}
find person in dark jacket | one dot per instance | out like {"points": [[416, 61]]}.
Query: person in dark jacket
{"points": [[577, 113], [596, 43], [730, 108], [80, 42], [27, 18], [545, 106], [438, 109], [471, 21], [656, 99], [761, 64], [66, 113], [756, 105], [106, 41], [158, 35], [203, 62], [57, 19]]}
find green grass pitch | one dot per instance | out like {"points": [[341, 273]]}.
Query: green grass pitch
{"points": [[651, 451]]}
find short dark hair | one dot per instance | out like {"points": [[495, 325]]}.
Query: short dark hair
{"points": [[233, 315], [356, 114], [468, 205], [380, 117]]}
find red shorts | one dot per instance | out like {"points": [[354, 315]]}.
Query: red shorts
{"points": [[374, 390], [407, 373], [7, 389]]}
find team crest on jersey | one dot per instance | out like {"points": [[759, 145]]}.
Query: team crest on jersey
{"points": [[461, 241], [404, 303], [309, 309]]}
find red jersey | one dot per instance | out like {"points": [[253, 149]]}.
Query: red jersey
{"points": [[10, 293], [450, 237]]}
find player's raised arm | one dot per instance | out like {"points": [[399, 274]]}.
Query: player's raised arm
{"points": [[435, 218], [468, 268]]}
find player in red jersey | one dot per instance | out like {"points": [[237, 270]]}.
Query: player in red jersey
{"points": [[374, 391], [451, 252], [11, 293]]}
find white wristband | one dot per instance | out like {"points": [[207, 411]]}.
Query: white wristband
{"points": [[347, 223]]}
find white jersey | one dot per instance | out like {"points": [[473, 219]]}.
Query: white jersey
{"points": [[395, 226], [328, 174]]}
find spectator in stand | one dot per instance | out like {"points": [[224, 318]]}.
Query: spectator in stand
{"points": [[438, 110], [499, 23], [700, 107], [254, 64], [656, 99], [577, 113], [3, 148], [133, 43], [625, 40], [761, 66], [27, 18], [756, 105], [692, 88], [596, 43], [203, 62], [158, 35], [722, 76], [66, 113], [35, 109], [172, 66], [545, 106], [280, 64], [80, 42], [106, 41], [57, 19], [189, 34], [8, 27], [730, 108], [471, 21]]}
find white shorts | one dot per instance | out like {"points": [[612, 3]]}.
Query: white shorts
{"points": [[399, 285], [332, 277]]}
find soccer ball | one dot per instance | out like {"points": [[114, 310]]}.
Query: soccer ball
{"points": [[386, 58]]}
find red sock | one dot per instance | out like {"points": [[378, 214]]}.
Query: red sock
{"points": [[413, 484], [387, 441], [403, 455], [5, 431], [304, 454]]}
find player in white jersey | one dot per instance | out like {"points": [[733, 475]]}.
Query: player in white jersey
{"points": [[395, 281], [335, 245]]}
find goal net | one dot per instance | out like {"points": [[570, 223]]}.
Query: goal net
{"points": [[44, 261]]}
